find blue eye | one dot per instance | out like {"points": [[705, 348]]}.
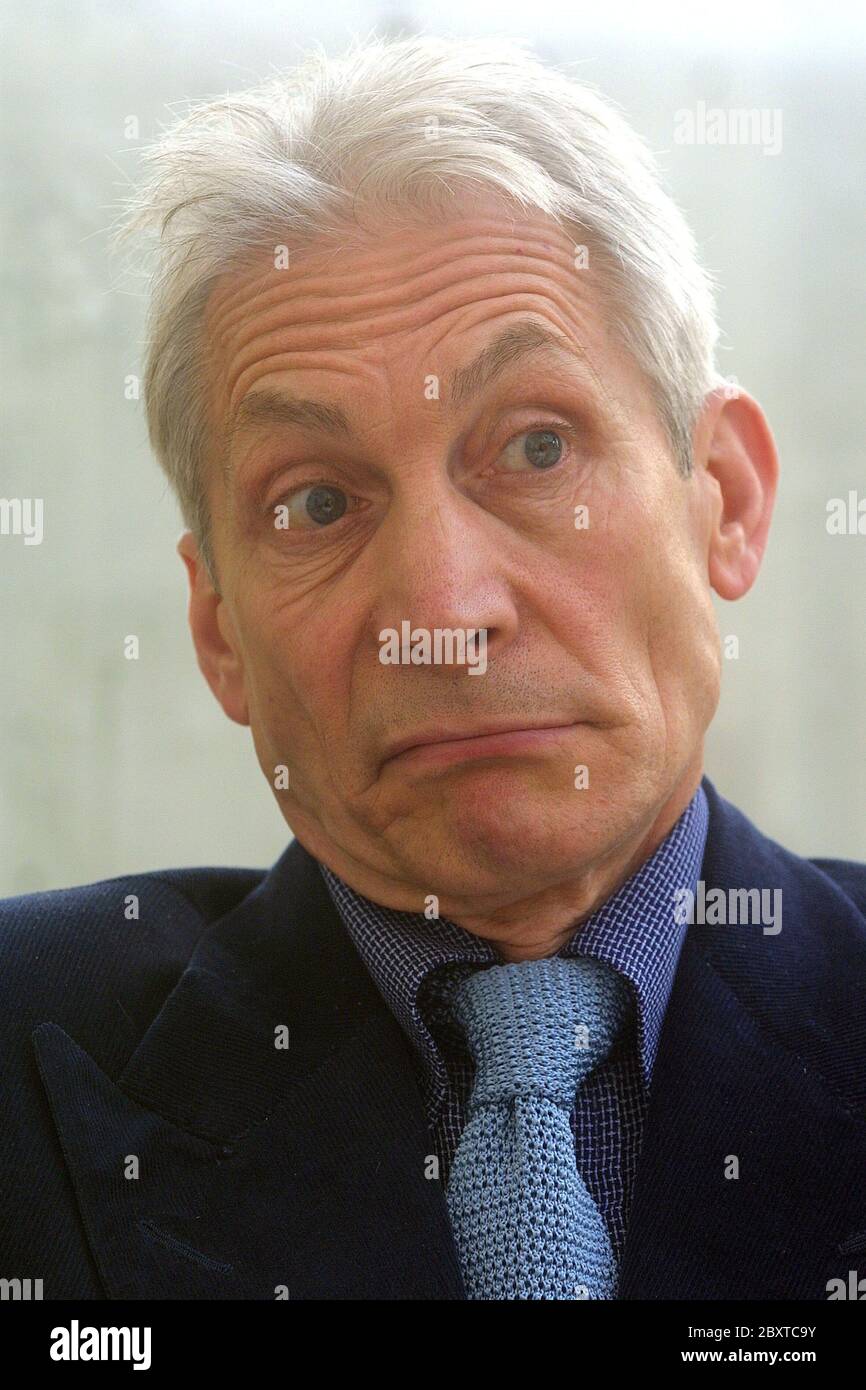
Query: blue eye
{"points": [[321, 504], [536, 449], [326, 504]]}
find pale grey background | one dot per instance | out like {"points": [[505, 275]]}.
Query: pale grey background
{"points": [[109, 766]]}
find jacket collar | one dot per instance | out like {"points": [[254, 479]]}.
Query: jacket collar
{"points": [[756, 1074], [304, 1169], [305, 1172]]}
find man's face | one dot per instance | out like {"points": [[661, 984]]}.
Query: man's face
{"points": [[449, 502]]}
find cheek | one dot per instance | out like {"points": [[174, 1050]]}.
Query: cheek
{"points": [[604, 591], [683, 641], [273, 671], [298, 671], [632, 604]]}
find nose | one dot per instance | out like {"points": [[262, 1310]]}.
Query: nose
{"points": [[440, 566]]}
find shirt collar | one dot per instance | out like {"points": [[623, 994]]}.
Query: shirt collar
{"points": [[635, 931]]}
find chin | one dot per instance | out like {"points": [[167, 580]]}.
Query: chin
{"points": [[498, 827]]}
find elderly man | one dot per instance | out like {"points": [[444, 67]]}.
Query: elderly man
{"points": [[526, 1010]]}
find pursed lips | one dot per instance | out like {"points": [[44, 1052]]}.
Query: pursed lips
{"points": [[450, 746]]}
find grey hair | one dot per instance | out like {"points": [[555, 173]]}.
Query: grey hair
{"points": [[300, 154]]}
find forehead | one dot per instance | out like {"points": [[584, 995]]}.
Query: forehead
{"points": [[376, 307], [389, 291]]}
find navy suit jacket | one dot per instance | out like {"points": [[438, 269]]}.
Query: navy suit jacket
{"points": [[261, 1170]]}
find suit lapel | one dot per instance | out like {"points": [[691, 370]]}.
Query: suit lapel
{"points": [[752, 1067], [221, 1166]]}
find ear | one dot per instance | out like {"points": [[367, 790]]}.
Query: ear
{"points": [[734, 447], [213, 634]]}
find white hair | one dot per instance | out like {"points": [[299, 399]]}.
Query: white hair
{"points": [[301, 154]]}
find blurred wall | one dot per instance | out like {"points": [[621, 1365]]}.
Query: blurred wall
{"points": [[109, 765]]}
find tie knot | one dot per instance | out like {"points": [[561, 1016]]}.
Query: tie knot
{"points": [[538, 1028]]}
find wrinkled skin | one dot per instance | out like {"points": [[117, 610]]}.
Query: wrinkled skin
{"points": [[607, 632]]}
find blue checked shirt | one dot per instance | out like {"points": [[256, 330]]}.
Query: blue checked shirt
{"points": [[412, 959]]}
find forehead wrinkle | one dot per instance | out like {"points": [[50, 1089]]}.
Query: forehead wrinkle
{"points": [[565, 345], [354, 331], [320, 254], [229, 310], [236, 328], [230, 304], [536, 334], [413, 264], [513, 344]]}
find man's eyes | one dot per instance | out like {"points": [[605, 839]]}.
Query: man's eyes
{"points": [[318, 505], [321, 504], [536, 449]]}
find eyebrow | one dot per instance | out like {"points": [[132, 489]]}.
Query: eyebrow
{"points": [[515, 343]]}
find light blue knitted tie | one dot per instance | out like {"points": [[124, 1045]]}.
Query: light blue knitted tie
{"points": [[524, 1222]]}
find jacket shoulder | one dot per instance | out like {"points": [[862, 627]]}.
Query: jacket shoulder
{"points": [[849, 874], [100, 959]]}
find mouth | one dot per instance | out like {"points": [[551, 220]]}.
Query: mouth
{"points": [[439, 749]]}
